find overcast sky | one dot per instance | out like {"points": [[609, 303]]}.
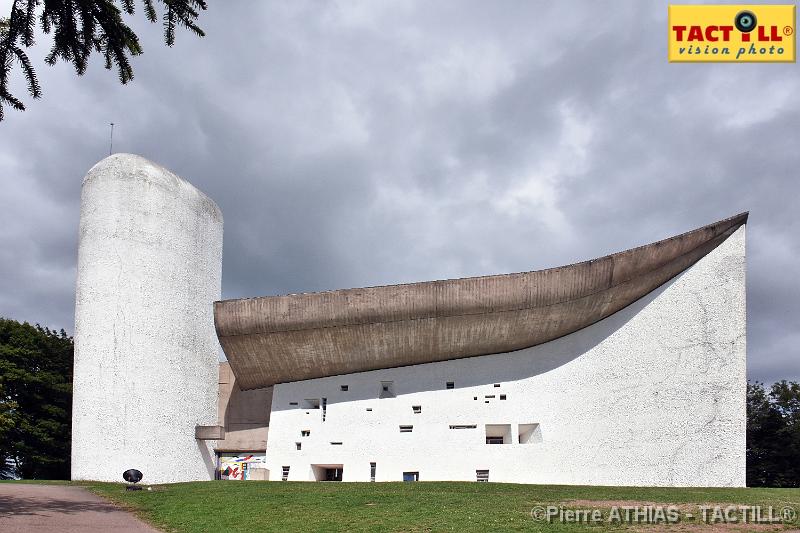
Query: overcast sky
{"points": [[363, 143]]}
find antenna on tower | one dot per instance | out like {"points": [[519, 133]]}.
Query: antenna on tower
{"points": [[111, 141]]}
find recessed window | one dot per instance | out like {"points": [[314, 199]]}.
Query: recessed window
{"points": [[463, 426], [369, 408], [311, 403], [410, 476], [285, 473], [450, 385], [336, 443], [324, 408], [292, 403], [417, 409], [406, 429], [344, 388], [372, 468], [387, 390], [530, 433], [498, 433], [496, 385], [305, 433], [298, 445], [474, 397], [502, 396], [489, 396], [482, 476]]}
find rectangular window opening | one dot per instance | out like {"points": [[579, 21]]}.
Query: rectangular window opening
{"points": [[498, 433], [324, 408], [463, 426], [482, 475], [410, 476], [298, 445], [406, 429], [372, 468], [417, 409], [502, 396], [285, 473], [292, 403], [369, 408], [344, 388], [305, 433], [496, 385], [450, 385], [387, 390], [530, 433], [311, 403], [336, 443]]}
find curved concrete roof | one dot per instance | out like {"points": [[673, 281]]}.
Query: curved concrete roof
{"points": [[277, 339]]}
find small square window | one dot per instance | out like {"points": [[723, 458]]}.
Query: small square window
{"points": [[387, 390], [482, 475], [417, 409], [502, 396], [344, 388], [474, 397], [298, 445], [451, 385]]}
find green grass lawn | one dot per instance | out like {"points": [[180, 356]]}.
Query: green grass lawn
{"points": [[293, 506]]}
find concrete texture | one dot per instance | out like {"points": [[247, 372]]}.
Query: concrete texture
{"points": [[29, 508], [146, 354], [651, 395], [243, 414], [289, 338]]}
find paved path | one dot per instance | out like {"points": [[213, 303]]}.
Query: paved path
{"points": [[29, 508]]}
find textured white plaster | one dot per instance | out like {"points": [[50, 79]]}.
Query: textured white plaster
{"points": [[653, 395], [149, 270]]}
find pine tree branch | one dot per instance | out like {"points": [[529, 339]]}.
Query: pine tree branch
{"points": [[79, 28]]}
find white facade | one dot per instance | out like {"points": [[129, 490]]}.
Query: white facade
{"points": [[653, 395], [146, 353]]}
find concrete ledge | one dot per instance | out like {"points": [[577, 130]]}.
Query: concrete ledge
{"points": [[209, 432]]}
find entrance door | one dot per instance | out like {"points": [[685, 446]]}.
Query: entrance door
{"points": [[333, 474]]}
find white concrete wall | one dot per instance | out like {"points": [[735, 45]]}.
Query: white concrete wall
{"points": [[653, 395], [149, 270]]}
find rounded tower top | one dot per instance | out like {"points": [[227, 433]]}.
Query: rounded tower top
{"points": [[122, 166]]}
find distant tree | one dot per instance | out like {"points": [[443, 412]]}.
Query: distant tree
{"points": [[773, 435], [35, 401], [80, 27]]}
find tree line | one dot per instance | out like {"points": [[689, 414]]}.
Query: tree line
{"points": [[36, 404]]}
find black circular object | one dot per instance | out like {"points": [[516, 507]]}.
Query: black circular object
{"points": [[132, 476], [745, 21]]}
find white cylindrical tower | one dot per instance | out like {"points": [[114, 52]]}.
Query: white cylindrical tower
{"points": [[146, 353]]}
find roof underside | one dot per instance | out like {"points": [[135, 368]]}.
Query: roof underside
{"points": [[278, 339]]}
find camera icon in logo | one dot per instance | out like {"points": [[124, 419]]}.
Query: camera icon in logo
{"points": [[745, 21]]}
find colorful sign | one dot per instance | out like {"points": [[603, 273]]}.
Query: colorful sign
{"points": [[731, 33]]}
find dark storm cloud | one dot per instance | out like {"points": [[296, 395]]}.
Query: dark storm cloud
{"points": [[363, 143]]}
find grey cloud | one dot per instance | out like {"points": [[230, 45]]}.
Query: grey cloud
{"points": [[352, 144]]}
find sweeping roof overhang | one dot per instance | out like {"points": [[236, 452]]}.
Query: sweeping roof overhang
{"points": [[279, 339]]}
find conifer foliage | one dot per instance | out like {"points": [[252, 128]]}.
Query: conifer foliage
{"points": [[35, 401], [79, 28]]}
